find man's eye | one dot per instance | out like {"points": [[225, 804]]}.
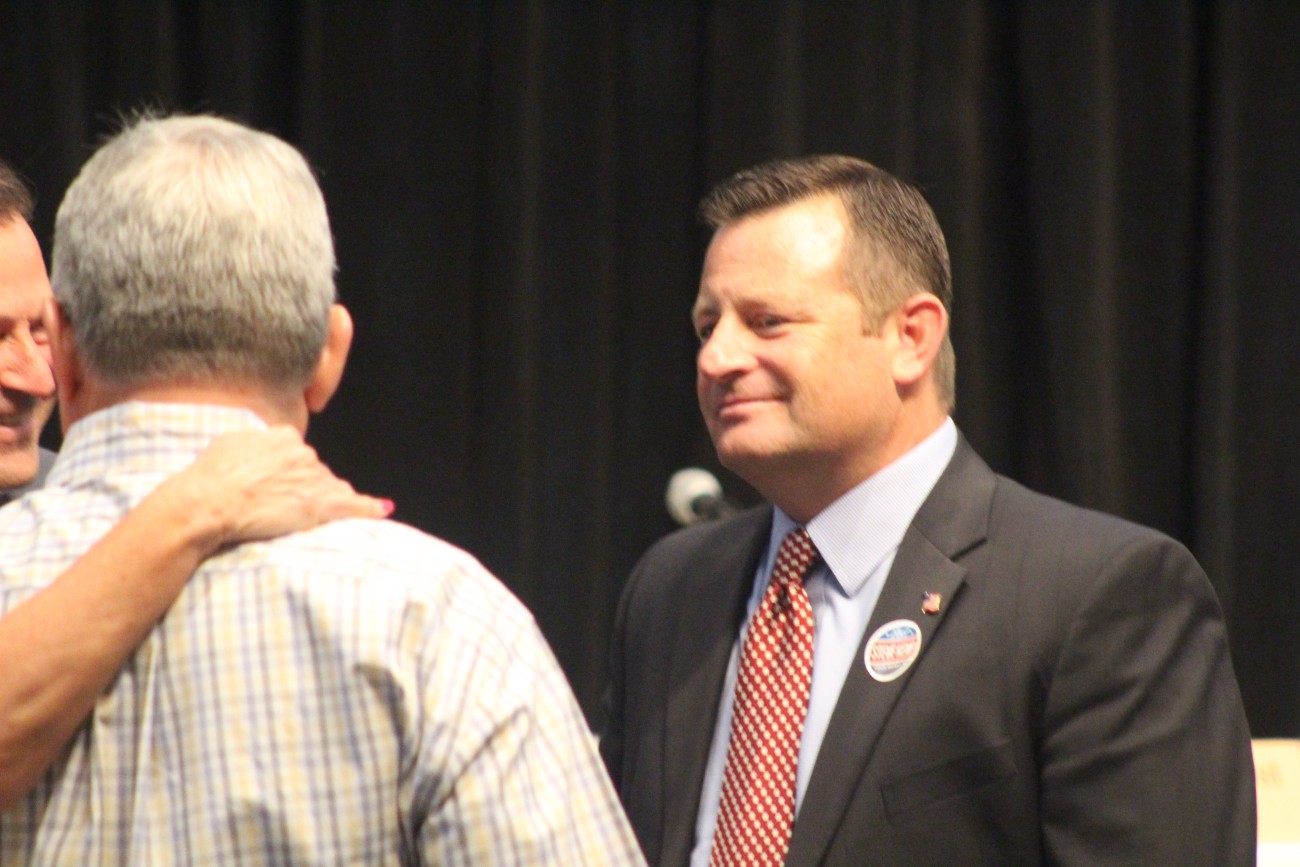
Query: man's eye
{"points": [[769, 321], [703, 331]]}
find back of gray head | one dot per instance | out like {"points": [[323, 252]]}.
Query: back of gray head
{"points": [[197, 250]]}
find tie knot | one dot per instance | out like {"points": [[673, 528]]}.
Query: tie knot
{"points": [[795, 555]]}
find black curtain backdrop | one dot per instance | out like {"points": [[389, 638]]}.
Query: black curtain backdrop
{"points": [[512, 187]]}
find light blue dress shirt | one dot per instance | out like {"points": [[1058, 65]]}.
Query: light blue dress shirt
{"points": [[857, 537]]}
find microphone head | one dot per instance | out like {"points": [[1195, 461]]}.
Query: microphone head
{"points": [[687, 488]]}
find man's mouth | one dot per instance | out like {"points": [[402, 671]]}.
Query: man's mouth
{"points": [[738, 403]]}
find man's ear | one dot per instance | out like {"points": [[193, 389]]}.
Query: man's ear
{"points": [[333, 358], [922, 324], [69, 375]]}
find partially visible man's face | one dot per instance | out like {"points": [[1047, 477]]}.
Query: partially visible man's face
{"points": [[26, 378]]}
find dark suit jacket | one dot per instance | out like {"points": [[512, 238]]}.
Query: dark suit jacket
{"points": [[1073, 701]]}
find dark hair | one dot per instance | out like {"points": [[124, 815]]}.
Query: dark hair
{"points": [[15, 197], [890, 222]]}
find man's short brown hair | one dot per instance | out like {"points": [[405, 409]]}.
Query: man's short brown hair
{"points": [[15, 197]]}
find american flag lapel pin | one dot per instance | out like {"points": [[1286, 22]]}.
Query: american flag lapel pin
{"points": [[931, 602]]}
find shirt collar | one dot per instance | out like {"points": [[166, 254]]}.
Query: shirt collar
{"points": [[855, 533], [144, 437]]}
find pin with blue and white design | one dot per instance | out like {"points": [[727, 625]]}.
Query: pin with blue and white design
{"points": [[892, 649]]}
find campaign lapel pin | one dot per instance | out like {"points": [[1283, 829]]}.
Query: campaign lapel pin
{"points": [[931, 602], [892, 649]]}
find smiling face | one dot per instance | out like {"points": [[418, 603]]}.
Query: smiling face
{"points": [[797, 392], [26, 381]]}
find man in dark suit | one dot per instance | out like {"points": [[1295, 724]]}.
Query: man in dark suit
{"points": [[997, 677]]}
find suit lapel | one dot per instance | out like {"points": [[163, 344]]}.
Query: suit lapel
{"points": [[952, 520], [712, 606]]}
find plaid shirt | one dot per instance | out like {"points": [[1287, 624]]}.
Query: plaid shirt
{"points": [[358, 694]]}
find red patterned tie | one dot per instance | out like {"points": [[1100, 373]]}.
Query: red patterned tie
{"points": [[757, 810]]}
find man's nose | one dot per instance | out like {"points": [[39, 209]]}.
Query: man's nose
{"points": [[725, 351], [25, 366]]}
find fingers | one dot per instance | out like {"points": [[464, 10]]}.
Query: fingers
{"points": [[266, 483], [330, 499]]}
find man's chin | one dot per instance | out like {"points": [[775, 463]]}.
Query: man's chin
{"points": [[18, 467], [739, 453]]}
